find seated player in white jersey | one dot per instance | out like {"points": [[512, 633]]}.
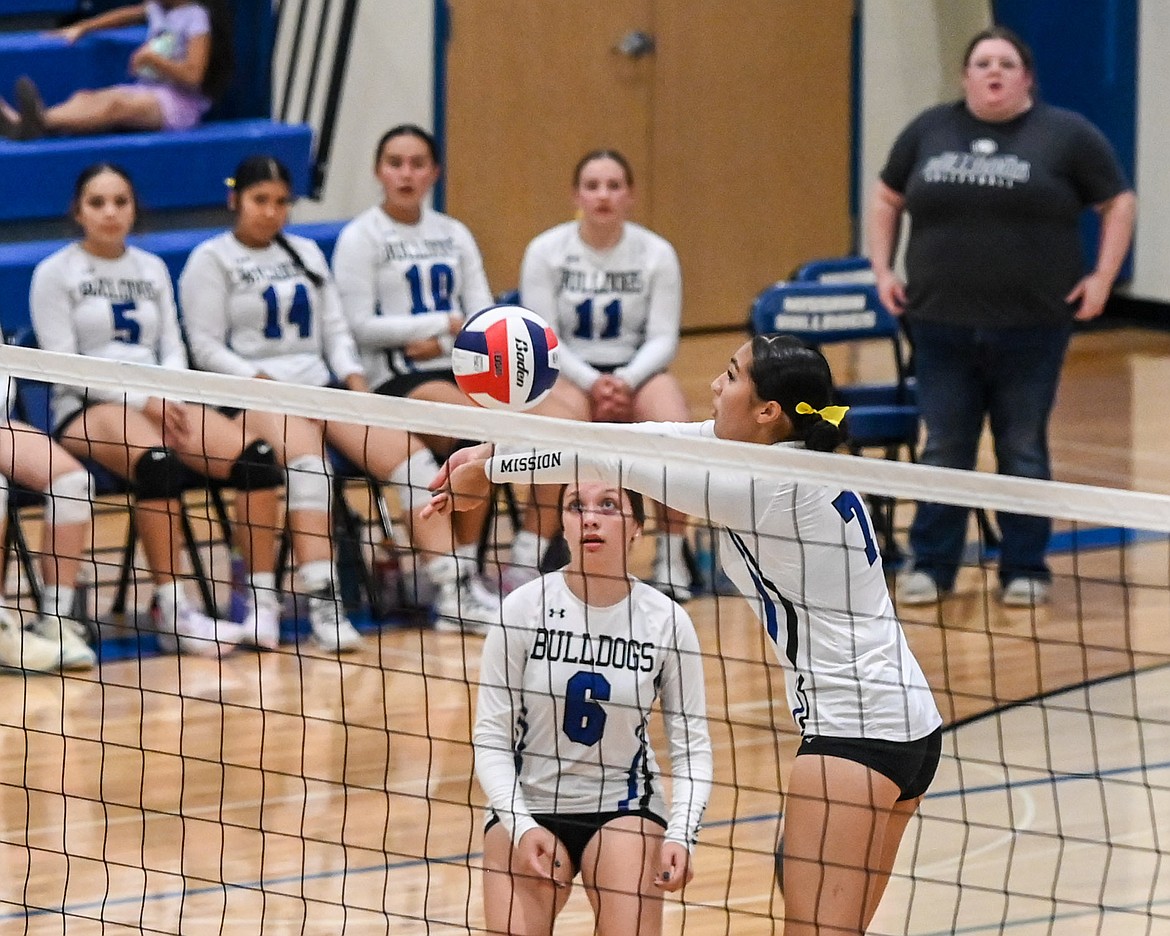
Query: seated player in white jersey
{"points": [[408, 277], [567, 686], [104, 298], [259, 302], [55, 640], [805, 556], [612, 290]]}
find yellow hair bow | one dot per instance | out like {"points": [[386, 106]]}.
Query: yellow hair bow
{"points": [[830, 414]]}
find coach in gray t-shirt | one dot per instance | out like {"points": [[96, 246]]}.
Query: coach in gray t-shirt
{"points": [[995, 185]]}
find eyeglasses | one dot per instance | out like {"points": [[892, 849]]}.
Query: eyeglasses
{"points": [[607, 508]]}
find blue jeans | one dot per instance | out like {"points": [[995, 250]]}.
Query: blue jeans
{"points": [[1008, 375]]}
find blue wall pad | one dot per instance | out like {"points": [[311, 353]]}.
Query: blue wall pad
{"points": [[183, 169], [58, 68], [1086, 61], [17, 261], [26, 7]]}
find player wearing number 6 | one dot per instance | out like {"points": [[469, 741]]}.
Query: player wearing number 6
{"points": [[566, 690], [804, 555]]}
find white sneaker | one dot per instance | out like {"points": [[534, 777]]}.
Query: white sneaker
{"points": [[671, 575], [68, 636], [1026, 593], [466, 606], [261, 626], [331, 628], [917, 588], [195, 633], [26, 649]]}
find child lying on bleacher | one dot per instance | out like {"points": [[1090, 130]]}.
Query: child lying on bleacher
{"points": [[182, 67]]}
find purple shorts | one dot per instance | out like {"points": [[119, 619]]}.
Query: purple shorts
{"points": [[181, 110]]}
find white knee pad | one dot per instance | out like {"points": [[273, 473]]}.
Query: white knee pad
{"points": [[3, 500], [69, 499], [308, 483], [410, 480]]}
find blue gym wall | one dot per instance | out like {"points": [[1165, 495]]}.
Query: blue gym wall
{"points": [[1086, 60]]}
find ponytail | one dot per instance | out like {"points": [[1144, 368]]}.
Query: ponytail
{"points": [[787, 371], [311, 275]]}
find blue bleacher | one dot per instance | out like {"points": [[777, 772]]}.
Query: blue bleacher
{"points": [[37, 7], [95, 61], [18, 259], [171, 170]]}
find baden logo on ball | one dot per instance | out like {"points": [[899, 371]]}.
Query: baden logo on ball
{"points": [[506, 357]]}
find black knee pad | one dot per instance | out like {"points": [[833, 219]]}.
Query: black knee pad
{"points": [[256, 469], [158, 475]]}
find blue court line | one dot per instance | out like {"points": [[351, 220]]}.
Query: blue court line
{"points": [[464, 859]]}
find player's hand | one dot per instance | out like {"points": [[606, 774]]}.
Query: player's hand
{"points": [[1092, 293], [892, 292], [674, 867], [69, 33], [357, 383], [454, 323], [173, 417], [462, 482], [143, 57], [540, 854], [423, 349], [611, 399]]}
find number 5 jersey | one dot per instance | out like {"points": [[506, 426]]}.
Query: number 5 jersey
{"points": [[566, 691], [121, 309]]}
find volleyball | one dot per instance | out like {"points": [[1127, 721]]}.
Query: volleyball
{"points": [[506, 357]]}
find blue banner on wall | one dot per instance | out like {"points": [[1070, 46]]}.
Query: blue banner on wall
{"points": [[1086, 60]]}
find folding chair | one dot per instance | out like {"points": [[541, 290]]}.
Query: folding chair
{"points": [[19, 499], [32, 406], [854, 269], [881, 416], [357, 579], [836, 271]]}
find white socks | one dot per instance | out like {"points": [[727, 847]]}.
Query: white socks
{"points": [[57, 601]]}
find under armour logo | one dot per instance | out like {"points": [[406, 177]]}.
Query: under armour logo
{"points": [[263, 448], [156, 455], [556, 612]]}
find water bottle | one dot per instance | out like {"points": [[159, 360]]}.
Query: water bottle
{"points": [[418, 591], [388, 579], [240, 600]]}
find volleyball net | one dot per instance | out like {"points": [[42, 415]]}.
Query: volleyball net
{"points": [[297, 789]]}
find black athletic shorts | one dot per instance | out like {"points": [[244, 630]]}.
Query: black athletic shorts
{"points": [[575, 830], [402, 385], [911, 765], [59, 429]]}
